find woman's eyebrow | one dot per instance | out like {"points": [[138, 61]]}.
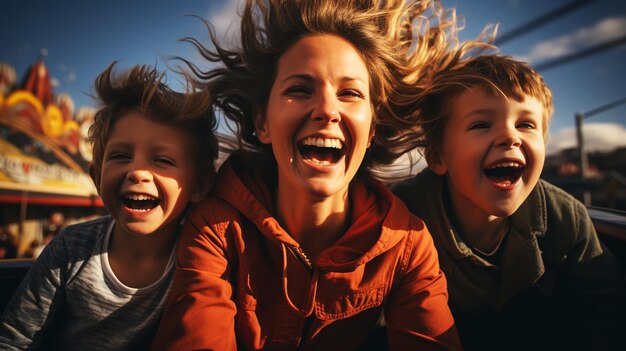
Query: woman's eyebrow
{"points": [[309, 78], [299, 76]]}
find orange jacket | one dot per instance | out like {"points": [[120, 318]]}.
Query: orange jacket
{"points": [[243, 282]]}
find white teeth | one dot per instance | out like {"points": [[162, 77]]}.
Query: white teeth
{"points": [[318, 162], [323, 142], [138, 197], [506, 164]]}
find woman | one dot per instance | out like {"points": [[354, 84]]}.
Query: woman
{"points": [[299, 247]]}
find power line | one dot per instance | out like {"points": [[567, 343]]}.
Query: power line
{"points": [[603, 108], [541, 20], [577, 55]]}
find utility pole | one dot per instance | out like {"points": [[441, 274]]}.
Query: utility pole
{"points": [[583, 161], [582, 154]]}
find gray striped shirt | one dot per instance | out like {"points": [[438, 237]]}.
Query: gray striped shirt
{"points": [[71, 300]]}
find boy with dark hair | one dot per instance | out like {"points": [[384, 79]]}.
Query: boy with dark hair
{"points": [[524, 265], [103, 284]]}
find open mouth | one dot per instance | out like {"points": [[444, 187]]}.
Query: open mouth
{"points": [[504, 173], [321, 151], [140, 202]]}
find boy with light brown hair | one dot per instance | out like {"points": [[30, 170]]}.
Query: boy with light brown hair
{"points": [[524, 265], [103, 284]]}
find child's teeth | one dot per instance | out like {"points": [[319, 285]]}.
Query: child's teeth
{"points": [[139, 197], [506, 164]]}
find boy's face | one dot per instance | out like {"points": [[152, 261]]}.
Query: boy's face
{"points": [[492, 153], [148, 175]]}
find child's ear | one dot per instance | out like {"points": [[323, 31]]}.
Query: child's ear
{"points": [[95, 177], [202, 190], [435, 163], [262, 132]]}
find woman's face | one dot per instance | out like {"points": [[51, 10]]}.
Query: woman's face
{"points": [[319, 116]]}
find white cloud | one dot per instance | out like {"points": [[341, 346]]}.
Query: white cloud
{"points": [[605, 30], [55, 82], [68, 73], [71, 76], [227, 21], [596, 136]]}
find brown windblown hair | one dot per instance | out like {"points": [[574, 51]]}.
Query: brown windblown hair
{"points": [[498, 75], [142, 89], [400, 45]]}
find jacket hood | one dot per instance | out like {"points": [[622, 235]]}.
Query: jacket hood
{"points": [[247, 181]]}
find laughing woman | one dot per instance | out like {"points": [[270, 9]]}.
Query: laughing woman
{"points": [[299, 247]]}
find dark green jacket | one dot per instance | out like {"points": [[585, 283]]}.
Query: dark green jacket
{"points": [[555, 286]]}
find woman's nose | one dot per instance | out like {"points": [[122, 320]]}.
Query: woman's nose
{"points": [[326, 109]]}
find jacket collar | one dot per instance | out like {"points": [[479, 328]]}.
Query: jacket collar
{"points": [[531, 217], [521, 265], [245, 182]]}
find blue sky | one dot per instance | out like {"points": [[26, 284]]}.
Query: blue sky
{"points": [[82, 37]]}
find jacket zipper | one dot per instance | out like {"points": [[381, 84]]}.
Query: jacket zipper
{"points": [[297, 251], [302, 257]]}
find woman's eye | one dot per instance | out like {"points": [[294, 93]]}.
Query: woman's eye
{"points": [[351, 93], [479, 125], [297, 90]]}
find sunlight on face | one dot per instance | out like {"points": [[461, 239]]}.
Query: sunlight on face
{"points": [[492, 152], [147, 177], [318, 119]]}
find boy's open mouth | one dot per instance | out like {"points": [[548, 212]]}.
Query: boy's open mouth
{"points": [[321, 151], [140, 202], [505, 173]]}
